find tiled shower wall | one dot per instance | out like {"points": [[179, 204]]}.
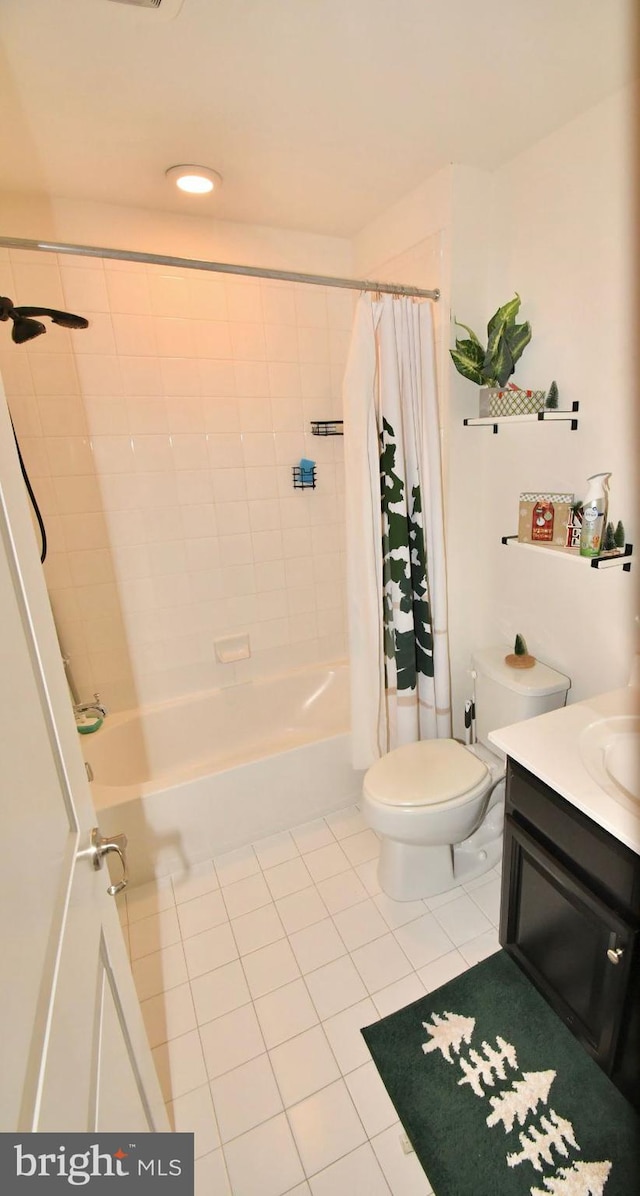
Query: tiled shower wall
{"points": [[160, 443]]}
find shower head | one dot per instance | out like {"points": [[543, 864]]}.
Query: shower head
{"points": [[65, 318], [25, 328]]}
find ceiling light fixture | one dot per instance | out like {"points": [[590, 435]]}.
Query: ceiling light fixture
{"points": [[197, 180]]}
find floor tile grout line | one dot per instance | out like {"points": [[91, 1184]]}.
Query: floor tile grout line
{"points": [[286, 1108], [348, 953], [274, 1076], [342, 1077], [370, 995], [170, 987]]}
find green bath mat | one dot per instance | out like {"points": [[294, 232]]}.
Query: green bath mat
{"points": [[497, 1096]]}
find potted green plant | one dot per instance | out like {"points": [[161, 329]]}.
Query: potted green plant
{"points": [[491, 367]]}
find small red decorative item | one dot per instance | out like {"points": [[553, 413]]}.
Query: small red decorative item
{"points": [[542, 522]]}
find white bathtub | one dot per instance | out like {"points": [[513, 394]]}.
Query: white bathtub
{"points": [[190, 779]]}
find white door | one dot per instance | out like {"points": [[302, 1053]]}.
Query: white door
{"points": [[73, 1048]]}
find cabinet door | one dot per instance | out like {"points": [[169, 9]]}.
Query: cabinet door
{"points": [[574, 948]]}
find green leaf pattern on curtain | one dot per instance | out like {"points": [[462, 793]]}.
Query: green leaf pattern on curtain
{"points": [[408, 642]]}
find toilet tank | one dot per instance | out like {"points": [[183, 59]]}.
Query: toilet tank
{"points": [[504, 695]]}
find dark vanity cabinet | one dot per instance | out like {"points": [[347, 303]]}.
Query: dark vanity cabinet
{"points": [[570, 917]]}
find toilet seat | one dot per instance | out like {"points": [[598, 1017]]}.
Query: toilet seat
{"points": [[430, 773]]}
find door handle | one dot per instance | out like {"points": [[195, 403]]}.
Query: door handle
{"points": [[614, 954], [101, 847]]}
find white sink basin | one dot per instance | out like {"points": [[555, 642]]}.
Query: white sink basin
{"points": [[610, 752]]}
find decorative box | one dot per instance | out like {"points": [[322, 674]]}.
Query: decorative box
{"points": [[511, 400], [544, 518], [574, 528]]}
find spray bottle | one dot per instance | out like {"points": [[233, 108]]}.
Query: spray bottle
{"points": [[594, 514]]}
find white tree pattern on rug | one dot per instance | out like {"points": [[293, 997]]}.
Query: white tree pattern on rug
{"points": [[521, 1099], [581, 1179], [537, 1144], [448, 1033], [478, 1070]]}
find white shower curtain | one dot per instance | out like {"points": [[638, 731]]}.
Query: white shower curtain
{"points": [[396, 571]]}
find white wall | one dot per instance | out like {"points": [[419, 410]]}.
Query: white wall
{"points": [[104, 225], [555, 224], [564, 239]]}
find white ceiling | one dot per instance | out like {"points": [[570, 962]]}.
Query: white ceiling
{"points": [[318, 113]]}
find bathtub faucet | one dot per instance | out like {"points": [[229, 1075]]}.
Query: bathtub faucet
{"points": [[95, 707]]}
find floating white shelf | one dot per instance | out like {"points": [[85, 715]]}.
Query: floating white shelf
{"points": [[546, 416], [596, 562]]}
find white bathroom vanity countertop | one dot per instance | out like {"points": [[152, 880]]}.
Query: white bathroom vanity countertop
{"points": [[549, 746]]}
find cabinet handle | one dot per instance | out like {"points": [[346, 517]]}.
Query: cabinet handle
{"points": [[614, 954]]}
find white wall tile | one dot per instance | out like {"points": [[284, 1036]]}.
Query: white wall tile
{"points": [[16, 374], [217, 378], [235, 550], [53, 373], [313, 344], [175, 337], [37, 282], [212, 339], [207, 296], [194, 486], [258, 449], [281, 342], [278, 303], [51, 415], [163, 442], [243, 301], [316, 384], [225, 451], [98, 337], [113, 454], [248, 342], [267, 546], [284, 380], [180, 376], [251, 379], [169, 293], [140, 376], [311, 306], [128, 290], [69, 455], [221, 414], [98, 375], [262, 483], [134, 335]]}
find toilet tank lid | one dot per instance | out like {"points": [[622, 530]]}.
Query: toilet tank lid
{"points": [[537, 682], [424, 774]]}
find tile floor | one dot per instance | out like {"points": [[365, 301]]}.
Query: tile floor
{"points": [[255, 972]]}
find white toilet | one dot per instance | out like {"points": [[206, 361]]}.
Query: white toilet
{"points": [[438, 805]]}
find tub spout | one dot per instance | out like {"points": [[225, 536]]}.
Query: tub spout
{"points": [[95, 707]]}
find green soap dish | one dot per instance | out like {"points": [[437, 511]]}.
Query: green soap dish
{"points": [[89, 728]]}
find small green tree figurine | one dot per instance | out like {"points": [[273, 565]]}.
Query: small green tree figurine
{"points": [[551, 401], [608, 540], [618, 535], [520, 658]]}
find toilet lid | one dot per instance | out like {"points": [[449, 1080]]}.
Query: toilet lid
{"points": [[424, 774]]}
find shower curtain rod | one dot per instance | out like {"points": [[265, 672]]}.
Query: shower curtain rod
{"points": [[160, 259]]}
